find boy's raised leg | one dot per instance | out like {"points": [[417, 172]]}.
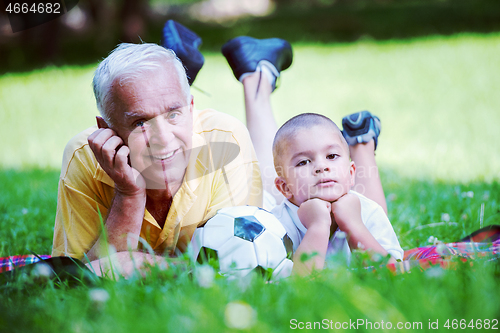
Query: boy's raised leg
{"points": [[361, 131], [367, 180]]}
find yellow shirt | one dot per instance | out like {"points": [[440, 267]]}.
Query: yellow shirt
{"points": [[222, 171]]}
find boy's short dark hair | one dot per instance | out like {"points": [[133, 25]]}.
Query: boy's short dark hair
{"points": [[290, 129]]}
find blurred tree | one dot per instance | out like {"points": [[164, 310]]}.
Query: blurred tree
{"points": [[131, 19], [105, 23]]}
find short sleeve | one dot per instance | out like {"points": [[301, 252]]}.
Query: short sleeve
{"points": [[380, 227], [82, 203]]}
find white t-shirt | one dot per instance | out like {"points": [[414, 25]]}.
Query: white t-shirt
{"points": [[373, 217]]}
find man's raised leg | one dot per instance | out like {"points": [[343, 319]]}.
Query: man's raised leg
{"points": [[262, 126]]}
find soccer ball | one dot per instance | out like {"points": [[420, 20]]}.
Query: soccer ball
{"points": [[244, 239]]}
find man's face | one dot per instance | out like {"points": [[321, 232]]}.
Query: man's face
{"points": [[316, 164], [155, 119]]}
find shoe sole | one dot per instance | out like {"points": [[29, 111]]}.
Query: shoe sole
{"points": [[241, 47]]}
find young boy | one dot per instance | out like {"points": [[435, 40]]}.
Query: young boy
{"points": [[312, 163], [315, 175]]}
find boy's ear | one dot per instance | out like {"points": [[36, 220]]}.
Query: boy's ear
{"points": [[281, 185], [101, 123], [352, 173]]}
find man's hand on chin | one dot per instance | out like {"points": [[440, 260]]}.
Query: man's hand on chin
{"points": [[112, 156]]}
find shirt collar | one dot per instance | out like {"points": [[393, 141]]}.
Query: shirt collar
{"points": [[292, 211]]}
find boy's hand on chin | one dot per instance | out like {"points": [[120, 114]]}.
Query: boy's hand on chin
{"points": [[315, 212], [347, 212]]}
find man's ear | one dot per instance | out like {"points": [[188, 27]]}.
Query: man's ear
{"points": [[191, 104], [101, 123], [281, 185]]}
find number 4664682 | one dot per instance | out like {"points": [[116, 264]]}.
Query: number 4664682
{"points": [[478, 324], [35, 8]]}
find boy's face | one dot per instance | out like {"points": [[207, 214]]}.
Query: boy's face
{"points": [[315, 164]]}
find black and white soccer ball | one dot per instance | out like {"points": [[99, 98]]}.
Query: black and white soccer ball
{"points": [[244, 239]]}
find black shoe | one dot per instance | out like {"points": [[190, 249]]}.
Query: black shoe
{"points": [[245, 53], [361, 127], [185, 44]]}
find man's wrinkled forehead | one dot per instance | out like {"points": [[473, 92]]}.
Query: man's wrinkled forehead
{"points": [[129, 85]]}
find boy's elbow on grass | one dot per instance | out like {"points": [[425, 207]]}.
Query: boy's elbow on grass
{"points": [[304, 263], [311, 253]]}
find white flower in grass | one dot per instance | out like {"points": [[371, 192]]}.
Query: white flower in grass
{"points": [[434, 272], [445, 217], [432, 240], [377, 257], [486, 195], [24, 211], [239, 315], [468, 194], [205, 276], [98, 296], [442, 249], [42, 272]]}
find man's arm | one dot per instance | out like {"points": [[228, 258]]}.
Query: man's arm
{"points": [[315, 216], [126, 213], [125, 217], [125, 264]]}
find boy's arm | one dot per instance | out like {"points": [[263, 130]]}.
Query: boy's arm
{"points": [[347, 214], [315, 216]]}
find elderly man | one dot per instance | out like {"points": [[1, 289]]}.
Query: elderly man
{"points": [[155, 167]]}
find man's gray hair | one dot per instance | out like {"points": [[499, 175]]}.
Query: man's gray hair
{"points": [[128, 62]]}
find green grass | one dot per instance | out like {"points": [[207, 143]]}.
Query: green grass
{"points": [[162, 302], [43, 110], [439, 162], [28, 201]]}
